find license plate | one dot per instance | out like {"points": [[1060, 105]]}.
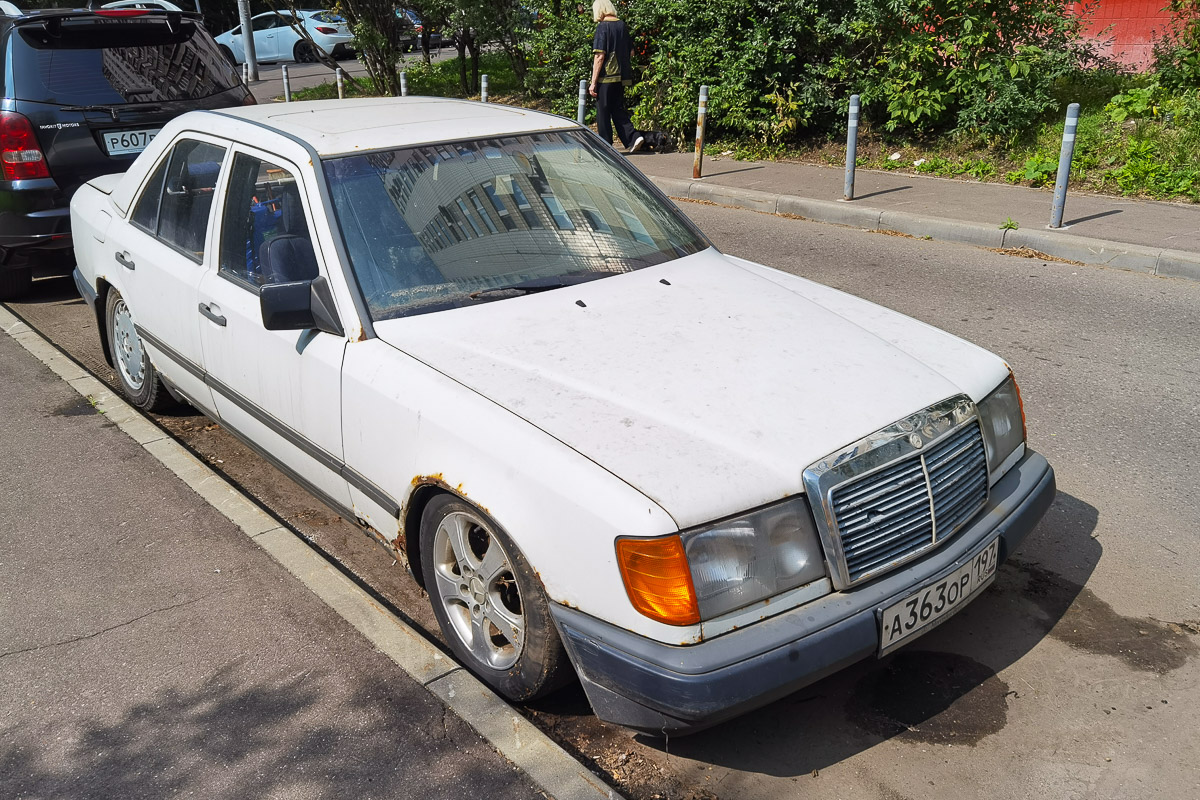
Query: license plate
{"points": [[123, 142], [930, 605]]}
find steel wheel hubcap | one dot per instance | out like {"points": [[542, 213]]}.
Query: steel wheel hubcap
{"points": [[128, 346], [478, 590]]}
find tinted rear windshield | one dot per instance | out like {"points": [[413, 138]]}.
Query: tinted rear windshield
{"points": [[94, 61]]}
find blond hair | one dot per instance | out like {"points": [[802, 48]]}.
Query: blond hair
{"points": [[602, 9]]}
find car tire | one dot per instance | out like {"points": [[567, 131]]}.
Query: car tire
{"points": [[477, 581], [225, 51], [303, 53], [15, 282], [139, 380]]}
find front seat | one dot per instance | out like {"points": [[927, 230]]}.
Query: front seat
{"points": [[288, 255]]}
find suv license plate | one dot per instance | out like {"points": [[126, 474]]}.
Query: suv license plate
{"points": [[118, 143], [923, 609]]}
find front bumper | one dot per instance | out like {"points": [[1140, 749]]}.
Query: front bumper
{"points": [[665, 689]]}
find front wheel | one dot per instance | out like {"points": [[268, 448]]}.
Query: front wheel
{"points": [[490, 605], [139, 380]]}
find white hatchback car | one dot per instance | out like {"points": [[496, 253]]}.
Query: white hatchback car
{"points": [[602, 446], [276, 40]]}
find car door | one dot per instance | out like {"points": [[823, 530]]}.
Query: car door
{"points": [[161, 251], [266, 46], [280, 389]]}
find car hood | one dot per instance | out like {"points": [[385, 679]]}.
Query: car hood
{"points": [[707, 383]]}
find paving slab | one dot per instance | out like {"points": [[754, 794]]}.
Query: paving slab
{"points": [[1143, 222], [148, 647]]}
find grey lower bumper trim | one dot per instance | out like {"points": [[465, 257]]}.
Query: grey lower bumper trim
{"points": [[659, 688], [85, 289]]}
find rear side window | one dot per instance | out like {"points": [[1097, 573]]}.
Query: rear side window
{"points": [[97, 61], [177, 201]]}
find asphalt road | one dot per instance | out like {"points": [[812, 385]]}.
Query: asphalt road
{"points": [[1073, 676]]}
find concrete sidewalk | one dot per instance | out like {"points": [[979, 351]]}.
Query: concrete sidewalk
{"points": [[150, 647], [1142, 235]]}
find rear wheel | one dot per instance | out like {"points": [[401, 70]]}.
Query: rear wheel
{"points": [[139, 380], [15, 282], [303, 52], [490, 605]]}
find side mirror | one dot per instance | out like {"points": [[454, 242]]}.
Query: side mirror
{"points": [[299, 306]]}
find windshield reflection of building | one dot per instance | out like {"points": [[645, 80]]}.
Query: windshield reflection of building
{"points": [[162, 72], [519, 206]]}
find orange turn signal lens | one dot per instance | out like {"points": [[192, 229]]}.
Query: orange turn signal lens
{"points": [[1020, 405], [658, 580]]}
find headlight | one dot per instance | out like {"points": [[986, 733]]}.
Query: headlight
{"points": [[728, 565], [1003, 419]]}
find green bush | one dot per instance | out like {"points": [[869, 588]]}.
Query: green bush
{"points": [[779, 70]]}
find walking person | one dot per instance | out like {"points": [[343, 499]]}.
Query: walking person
{"points": [[611, 73]]}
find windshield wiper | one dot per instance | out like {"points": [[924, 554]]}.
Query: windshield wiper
{"points": [[110, 110], [535, 285]]}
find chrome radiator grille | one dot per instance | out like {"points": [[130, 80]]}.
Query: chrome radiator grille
{"points": [[908, 506]]}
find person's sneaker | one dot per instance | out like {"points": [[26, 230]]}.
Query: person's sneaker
{"points": [[637, 144]]}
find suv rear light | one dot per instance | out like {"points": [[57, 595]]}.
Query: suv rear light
{"points": [[20, 155], [326, 31]]}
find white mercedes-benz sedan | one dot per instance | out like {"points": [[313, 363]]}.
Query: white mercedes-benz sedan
{"points": [[604, 448]]}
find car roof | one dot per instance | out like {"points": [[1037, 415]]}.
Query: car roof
{"points": [[337, 127]]}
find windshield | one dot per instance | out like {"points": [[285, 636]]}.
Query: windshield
{"points": [[84, 61], [448, 225]]}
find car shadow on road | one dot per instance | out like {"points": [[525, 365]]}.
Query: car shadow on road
{"points": [[944, 688], [238, 734]]}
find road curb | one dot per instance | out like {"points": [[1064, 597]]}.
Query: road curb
{"points": [[1136, 258], [556, 772]]}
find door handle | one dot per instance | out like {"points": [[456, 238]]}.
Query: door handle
{"points": [[124, 260], [213, 313]]}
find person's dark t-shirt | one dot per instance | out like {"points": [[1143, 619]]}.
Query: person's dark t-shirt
{"points": [[612, 39]]}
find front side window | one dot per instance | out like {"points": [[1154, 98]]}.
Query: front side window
{"points": [[434, 227], [265, 236], [177, 201]]}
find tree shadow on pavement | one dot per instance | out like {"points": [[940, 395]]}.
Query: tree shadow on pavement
{"points": [[282, 737], [944, 688]]}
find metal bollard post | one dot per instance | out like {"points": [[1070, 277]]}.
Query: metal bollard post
{"points": [[580, 114], [701, 118], [246, 72], [483, 88], [341, 84], [851, 147], [287, 86], [404, 84], [1064, 166]]}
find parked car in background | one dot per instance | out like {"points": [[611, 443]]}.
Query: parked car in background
{"points": [[276, 40], [84, 93], [603, 447], [412, 41]]}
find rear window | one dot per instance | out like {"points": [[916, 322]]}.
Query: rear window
{"points": [[327, 16], [94, 61]]}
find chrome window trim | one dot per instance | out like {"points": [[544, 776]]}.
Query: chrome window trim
{"points": [[893, 443]]}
